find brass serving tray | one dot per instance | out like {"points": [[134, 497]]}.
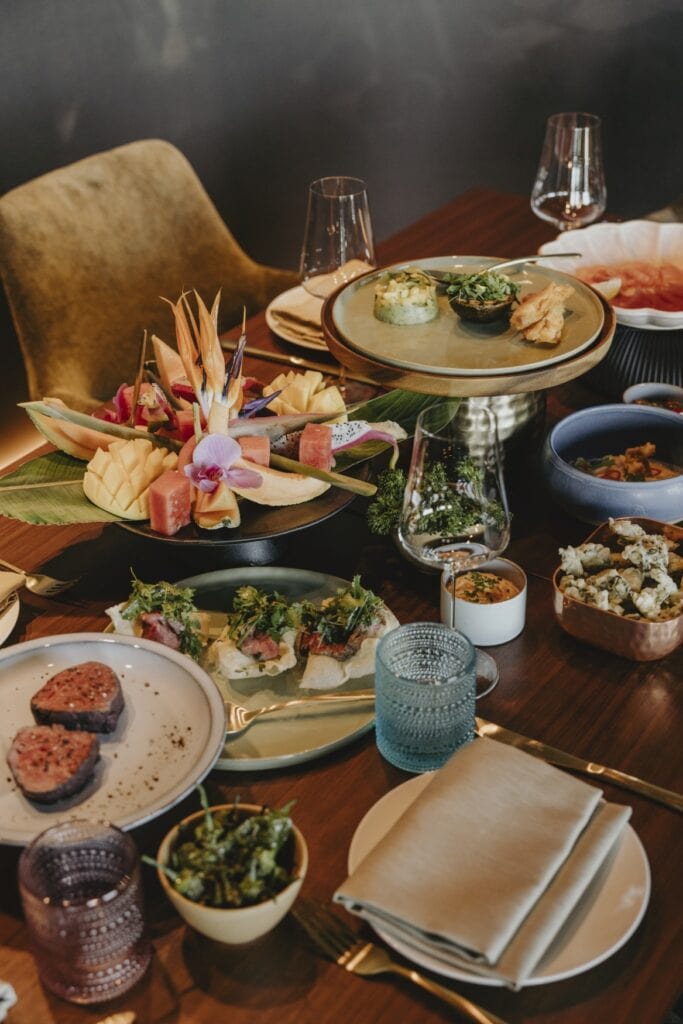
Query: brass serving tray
{"points": [[519, 382]]}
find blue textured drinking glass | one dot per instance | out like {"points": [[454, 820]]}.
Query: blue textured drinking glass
{"points": [[425, 691]]}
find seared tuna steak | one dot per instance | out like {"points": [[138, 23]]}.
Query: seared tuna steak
{"points": [[86, 696], [49, 762]]}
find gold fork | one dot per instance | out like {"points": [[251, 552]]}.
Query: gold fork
{"points": [[350, 950], [39, 583]]}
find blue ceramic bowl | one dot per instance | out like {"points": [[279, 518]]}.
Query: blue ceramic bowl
{"points": [[609, 430], [649, 393]]}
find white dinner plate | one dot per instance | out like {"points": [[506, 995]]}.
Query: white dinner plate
{"points": [[286, 737], [296, 300], [608, 243], [8, 618], [450, 346], [170, 732], [605, 919]]}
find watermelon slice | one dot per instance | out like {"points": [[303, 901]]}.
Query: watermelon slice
{"points": [[315, 446], [256, 448], [170, 502]]}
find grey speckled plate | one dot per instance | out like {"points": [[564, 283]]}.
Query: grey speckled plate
{"points": [[168, 736], [451, 346], [287, 737]]}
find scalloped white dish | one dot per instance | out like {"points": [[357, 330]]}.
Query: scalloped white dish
{"points": [[641, 240]]}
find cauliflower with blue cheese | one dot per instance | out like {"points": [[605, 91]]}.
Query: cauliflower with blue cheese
{"points": [[640, 578]]}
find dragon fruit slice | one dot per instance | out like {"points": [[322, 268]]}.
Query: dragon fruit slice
{"points": [[345, 435]]}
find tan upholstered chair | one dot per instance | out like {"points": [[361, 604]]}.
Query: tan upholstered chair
{"points": [[86, 251]]}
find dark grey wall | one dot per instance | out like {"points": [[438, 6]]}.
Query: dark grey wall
{"points": [[422, 98]]}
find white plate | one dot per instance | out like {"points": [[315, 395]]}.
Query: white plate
{"points": [[286, 737], [607, 916], [451, 346], [296, 300], [641, 240], [8, 618], [169, 734]]}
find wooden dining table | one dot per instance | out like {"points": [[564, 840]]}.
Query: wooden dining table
{"points": [[552, 687]]}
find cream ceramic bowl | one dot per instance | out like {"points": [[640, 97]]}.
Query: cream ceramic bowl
{"points": [[234, 925], [488, 624]]}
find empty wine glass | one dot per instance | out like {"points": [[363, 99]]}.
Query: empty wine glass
{"points": [[337, 243], [569, 190], [455, 513]]}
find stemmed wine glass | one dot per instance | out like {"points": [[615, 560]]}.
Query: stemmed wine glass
{"points": [[569, 190], [338, 244], [455, 514]]}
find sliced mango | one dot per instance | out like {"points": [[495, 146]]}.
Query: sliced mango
{"points": [[304, 392], [118, 480]]}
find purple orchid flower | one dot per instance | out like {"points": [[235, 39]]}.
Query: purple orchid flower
{"points": [[212, 462]]}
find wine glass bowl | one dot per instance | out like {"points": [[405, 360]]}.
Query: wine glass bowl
{"points": [[338, 243], [569, 190], [455, 510]]}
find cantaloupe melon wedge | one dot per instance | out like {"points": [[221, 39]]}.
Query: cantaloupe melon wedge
{"points": [[81, 442], [212, 511], [278, 488]]}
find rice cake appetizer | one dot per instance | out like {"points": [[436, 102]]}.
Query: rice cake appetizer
{"points": [[406, 297], [259, 637]]}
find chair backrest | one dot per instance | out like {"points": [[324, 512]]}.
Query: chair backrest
{"points": [[86, 251]]}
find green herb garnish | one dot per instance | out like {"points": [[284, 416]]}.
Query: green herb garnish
{"points": [[351, 609], [487, 286], [443, 509], [255, 611], [177, 606], [228, 859]]}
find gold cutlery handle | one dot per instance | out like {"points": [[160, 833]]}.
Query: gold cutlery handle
{"points": [[666, 797], [358, 695], [663, 796], [469, 1009]]}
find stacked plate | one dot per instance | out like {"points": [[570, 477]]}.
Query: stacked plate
{"points": [[295, 317]]}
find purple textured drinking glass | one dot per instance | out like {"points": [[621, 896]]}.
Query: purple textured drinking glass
{"points": [[82, 895]]}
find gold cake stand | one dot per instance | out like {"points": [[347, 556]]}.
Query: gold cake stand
{"points": [[513, 383]]}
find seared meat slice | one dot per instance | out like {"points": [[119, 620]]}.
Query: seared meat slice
{"points": [[260, 646], [156, 627], [49, 762], [86, 696]]}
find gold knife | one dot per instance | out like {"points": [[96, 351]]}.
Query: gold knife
{"points": [[309, 364], [577, 764]]}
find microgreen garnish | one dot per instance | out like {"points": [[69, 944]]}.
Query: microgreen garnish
{"points": [[351, 609], [175, 604], [487, 286], [255, 611]]}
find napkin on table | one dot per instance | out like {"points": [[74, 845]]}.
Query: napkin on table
{"points": [[300, 310], [10, 582], [485, 867]]}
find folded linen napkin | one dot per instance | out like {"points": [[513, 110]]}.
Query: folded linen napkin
{"points": [[10, 582], [299, 307], [486, 866]]}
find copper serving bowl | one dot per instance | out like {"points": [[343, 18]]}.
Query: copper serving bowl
{"points": [[637, 639]]}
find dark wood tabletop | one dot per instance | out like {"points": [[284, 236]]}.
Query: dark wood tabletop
{"points": [[625, 714]]}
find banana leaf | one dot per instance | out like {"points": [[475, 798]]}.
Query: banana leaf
{"points": [[48, 491]]}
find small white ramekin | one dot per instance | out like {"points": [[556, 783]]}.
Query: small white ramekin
{"points": [[488, 624]]}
